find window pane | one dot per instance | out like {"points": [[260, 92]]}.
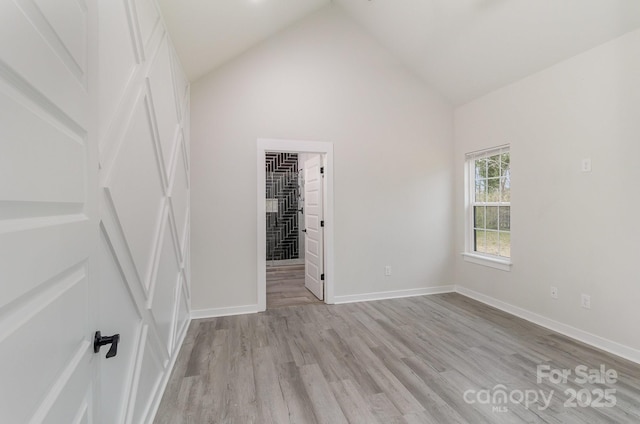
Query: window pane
{"points": [[505, 189], [493, 190], [491, 185], [478, 213], [505, 244], [492, 243], [481, 189], [481, 168], [505, 218], [493, 166], [492, 218], [505, 164], [479, 241]]}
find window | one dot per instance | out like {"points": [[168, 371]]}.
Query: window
{"points": [[489, 207]]}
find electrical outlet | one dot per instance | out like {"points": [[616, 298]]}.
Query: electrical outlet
{"points": [[554, 292], [586, 301], [387, 270], [586, 165]]}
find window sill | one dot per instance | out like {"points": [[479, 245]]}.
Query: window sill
{"points": [[497, 263]]}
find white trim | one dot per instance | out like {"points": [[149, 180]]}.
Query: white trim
{"points": [[487, 152], [224, 312], [366, 297], [497, 263], [153, 410], [607, 345], [294, 146], [143, 341]]}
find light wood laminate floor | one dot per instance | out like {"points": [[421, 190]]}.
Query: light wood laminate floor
{"points": [[412, 360], [285, 287]]}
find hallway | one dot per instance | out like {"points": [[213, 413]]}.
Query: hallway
{"points": [[285, 287]]}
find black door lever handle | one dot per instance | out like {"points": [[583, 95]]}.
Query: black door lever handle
{"points": [[99, 341]]}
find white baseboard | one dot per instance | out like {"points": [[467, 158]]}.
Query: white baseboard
{"points": [[153, 410], [366, 297], [607, 345], [224, 312]]}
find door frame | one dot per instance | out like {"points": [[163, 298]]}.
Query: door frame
{"points": [[294, 146]]}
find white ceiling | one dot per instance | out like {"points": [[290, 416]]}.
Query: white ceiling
{"points": [[207, 33], [462, 48], [467, 48]]}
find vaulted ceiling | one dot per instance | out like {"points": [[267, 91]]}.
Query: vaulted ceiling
{"points": [[462, 48], [207, 33]]}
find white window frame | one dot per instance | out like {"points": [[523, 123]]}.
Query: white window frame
{"points": [[469, 254]]}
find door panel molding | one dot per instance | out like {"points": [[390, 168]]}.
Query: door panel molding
{"points": [[72, 367], [45, 63], [17, 263], [55, 22]]}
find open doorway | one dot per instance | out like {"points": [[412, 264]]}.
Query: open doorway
{"points": [[295, 217], [291, 281]]}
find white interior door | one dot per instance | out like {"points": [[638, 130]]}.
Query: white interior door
{"points": [[94, 210], [313, 216], [48, 212]]}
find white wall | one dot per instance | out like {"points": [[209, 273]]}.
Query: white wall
{"points": [[324, 80], [576, 231], [143, 265]]}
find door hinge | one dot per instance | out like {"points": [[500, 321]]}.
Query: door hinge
{"points": [[322, 223], [321, 277], [322, 169]]}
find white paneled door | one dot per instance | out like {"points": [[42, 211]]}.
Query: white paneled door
{"points": [[48, 213], [94, 210], [313, 217]]}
